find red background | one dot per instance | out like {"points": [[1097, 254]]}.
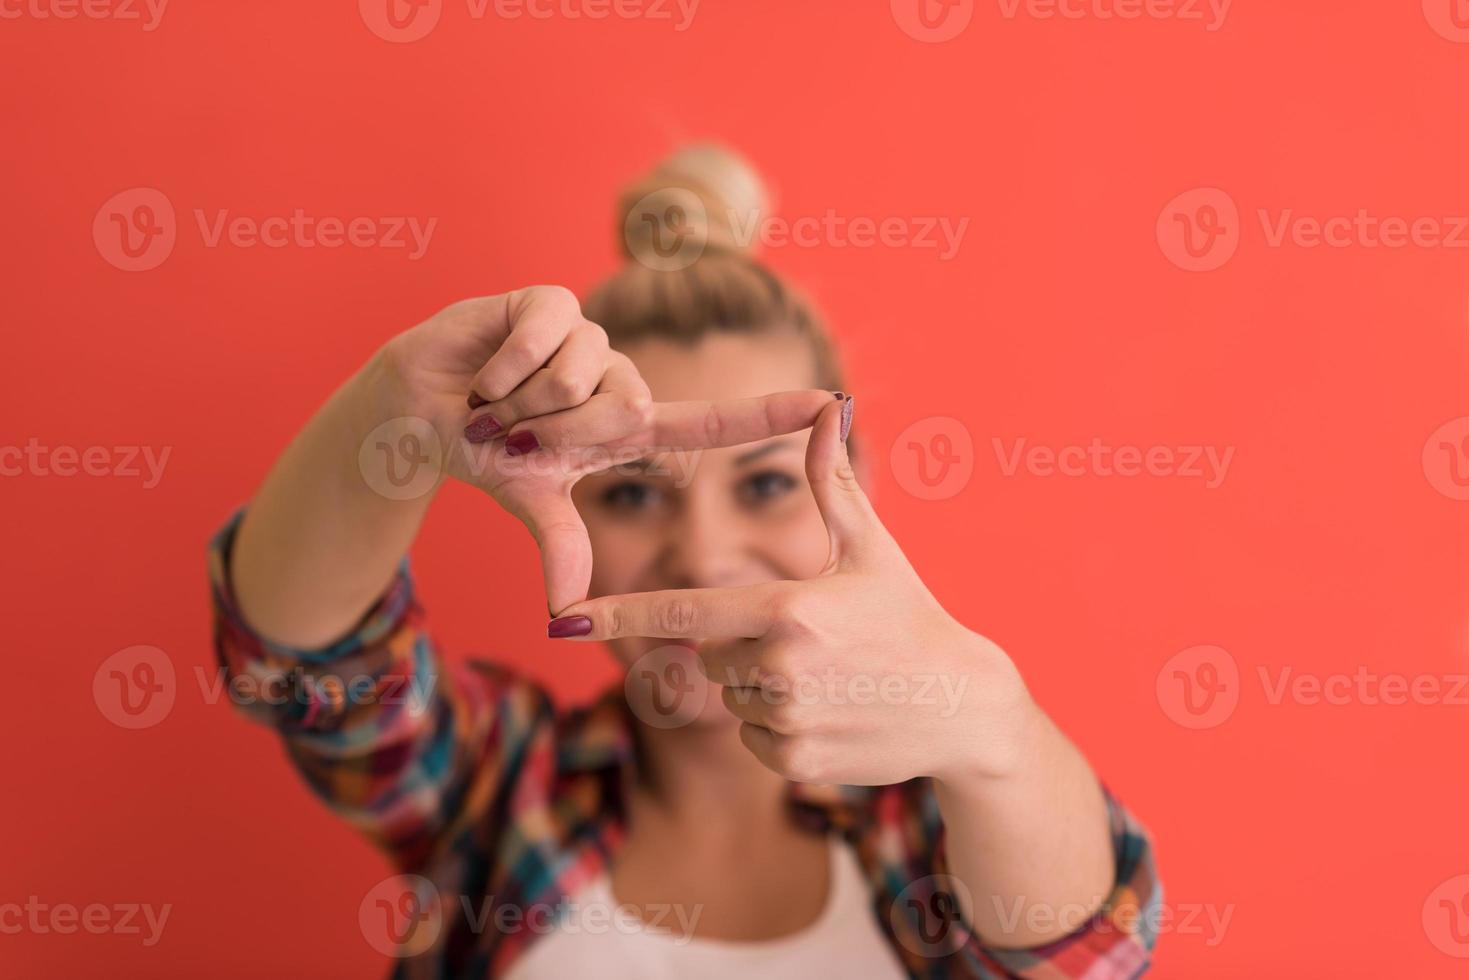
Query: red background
{"points": [[1323, 828]]}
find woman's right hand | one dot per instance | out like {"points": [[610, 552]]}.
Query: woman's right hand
{"points": [[526, 397]]}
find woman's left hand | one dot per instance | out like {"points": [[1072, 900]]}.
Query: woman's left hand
{"points": [[857, 676]]}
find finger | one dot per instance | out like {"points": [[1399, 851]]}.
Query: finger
{"points": [[775, 711], [747, 611], [774, 750], [733, 663], [709, 425], [565, 381], [566, 550], [844, 507], [540, 317], [749, 705], [620, 408]]}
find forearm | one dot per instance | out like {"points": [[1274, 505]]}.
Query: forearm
{"points": [[1032, 845], [318, 544]]}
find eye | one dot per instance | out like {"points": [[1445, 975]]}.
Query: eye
{"points": [[630, 496], [767, 485]]}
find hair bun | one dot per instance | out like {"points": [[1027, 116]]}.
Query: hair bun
{"points": [[700, 197]]}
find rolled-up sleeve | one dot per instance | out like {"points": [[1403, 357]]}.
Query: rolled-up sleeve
{"points": [[1115, 943]]}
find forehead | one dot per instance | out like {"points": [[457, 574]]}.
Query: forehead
{"points": [[724, 365]]}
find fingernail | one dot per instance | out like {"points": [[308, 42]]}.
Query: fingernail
{"points": [[839, 395], [521, 443], [475, 401], [847, 417], [482, 429], [567, 626]]}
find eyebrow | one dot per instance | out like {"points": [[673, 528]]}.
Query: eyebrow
{"points": [[764, 450], [743, 459]]}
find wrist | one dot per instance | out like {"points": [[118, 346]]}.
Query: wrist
{"points": [[999, 732], [393, 445]]}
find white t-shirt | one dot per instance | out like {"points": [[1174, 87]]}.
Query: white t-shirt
{"points": [[599, 939]]}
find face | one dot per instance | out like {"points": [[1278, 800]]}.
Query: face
{"points": [[715, 517]]}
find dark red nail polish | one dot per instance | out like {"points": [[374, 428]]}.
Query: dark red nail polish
{"points": [[567, 626], [839, 395], [482, 429], [847, 417], [521, 443], [475, 401]]}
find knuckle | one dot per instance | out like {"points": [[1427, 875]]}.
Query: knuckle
{"points": [[616, 618], [566, 386], [594, 333], [639, 407], [799, 759], [795, 611], [713, 426], [676, 617], [788, 718], [554, 295], [779, 668], [845, 477]]}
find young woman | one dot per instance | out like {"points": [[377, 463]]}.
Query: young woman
{"points": [[812, 765]]}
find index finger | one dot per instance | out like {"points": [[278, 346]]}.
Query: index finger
{"points": [[710, 425], [747, 611]]}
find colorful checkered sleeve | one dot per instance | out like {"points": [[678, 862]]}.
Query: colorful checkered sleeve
{"points": [[1114, 944], [400, 746]]}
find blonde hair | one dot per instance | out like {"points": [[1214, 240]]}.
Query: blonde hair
{"points": [[705, 199]]}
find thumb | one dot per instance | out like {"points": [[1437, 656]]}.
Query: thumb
{"points": [[844, 507], [566, 551]]}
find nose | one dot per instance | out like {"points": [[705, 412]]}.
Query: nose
{"points": [[704, 549]]}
